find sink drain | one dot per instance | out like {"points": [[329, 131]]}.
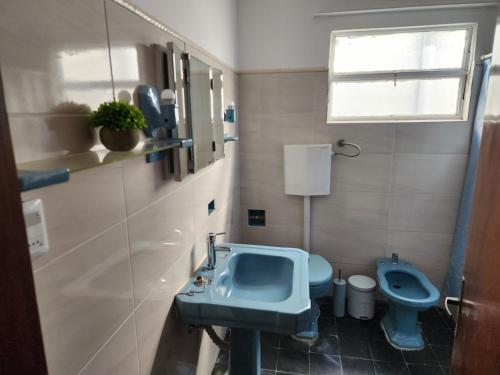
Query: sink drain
{"points": [[396, 286]]}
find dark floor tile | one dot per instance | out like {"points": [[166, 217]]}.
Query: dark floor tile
{"points": [[292, 361], [390, 368], [439, 336], [442, 354], [348, 326], [325, 364], [269, 340], [355, 347], [355, 366], [420, 357], [326, 345], [223, 356], [446, 370], [268, 358], [287, 342], [325, 306], [383, 351], [266, 372], [446, 318], [219, 369], [425, 370], [327, 325], [375, 330], [432, 319]]}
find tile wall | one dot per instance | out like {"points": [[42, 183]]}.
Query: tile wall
{"points": [[124, 238], [401, 194]]}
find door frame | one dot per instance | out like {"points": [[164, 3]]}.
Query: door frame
{"points": [[21, 344]]}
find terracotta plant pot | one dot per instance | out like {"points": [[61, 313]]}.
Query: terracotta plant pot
{"points": [[114, 140]]}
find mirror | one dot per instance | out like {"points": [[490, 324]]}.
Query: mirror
{"points": [[218, 112], [199, 111], [175, 82], [204, 111]]}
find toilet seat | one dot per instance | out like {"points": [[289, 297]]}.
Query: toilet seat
{"points": [[320, 276]]}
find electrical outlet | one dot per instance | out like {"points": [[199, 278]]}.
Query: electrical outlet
{"points": [[36, 228]]}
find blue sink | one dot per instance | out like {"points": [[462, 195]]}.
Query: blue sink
{"points": [[252, 288], [256, 277]]}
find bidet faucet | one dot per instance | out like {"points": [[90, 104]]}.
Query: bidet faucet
{"points": [[212, 249], [395, 258]]}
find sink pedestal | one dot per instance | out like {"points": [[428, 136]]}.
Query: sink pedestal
{"points": [[244, 354]]}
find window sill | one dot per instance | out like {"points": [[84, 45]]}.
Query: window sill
{"points": [[458, 120]]}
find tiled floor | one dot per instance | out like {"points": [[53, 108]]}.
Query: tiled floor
{"points": [[348, 346]]}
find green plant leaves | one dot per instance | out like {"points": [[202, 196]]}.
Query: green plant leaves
{"points": [[118, 116]]}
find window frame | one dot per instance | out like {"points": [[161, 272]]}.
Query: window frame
{"points": [[465, 74]]}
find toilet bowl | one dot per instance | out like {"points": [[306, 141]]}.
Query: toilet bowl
{"points": [[408, 291], [320, 283]]}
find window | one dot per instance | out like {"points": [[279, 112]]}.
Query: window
{"points": [[409, 74]]}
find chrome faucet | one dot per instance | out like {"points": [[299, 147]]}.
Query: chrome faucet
{"points": [[395, 258], [212, 249]]}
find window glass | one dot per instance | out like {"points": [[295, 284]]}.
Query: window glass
{"points": [[400, 51], [400, 75], [408, 98]]}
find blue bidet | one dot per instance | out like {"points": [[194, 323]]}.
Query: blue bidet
{"points": [[320, 283], [408, 291]]}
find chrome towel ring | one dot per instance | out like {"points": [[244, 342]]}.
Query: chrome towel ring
{"points": [[343, 143]]}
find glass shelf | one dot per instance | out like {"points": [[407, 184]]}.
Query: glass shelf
{"points": [[97, 156], [41, 173]]}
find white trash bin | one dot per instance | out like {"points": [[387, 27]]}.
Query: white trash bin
{"points": [[361, 297]]}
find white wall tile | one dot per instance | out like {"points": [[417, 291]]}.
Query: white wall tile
{"points": [[269, 132], [372, 138], [367, 172], [164, 343], [280, 208], [423, 212], [355, 246], [276, 93], [351, 210], [262, 169], [44, 137], [348, 269], [83, 297], [421, 249], [145, 183], [89, 203], [437, 138], [158, 235], [429, 173], [273, 235], [119, 355]]}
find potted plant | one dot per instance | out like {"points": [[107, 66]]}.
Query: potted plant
{"points": [[120, 123]]}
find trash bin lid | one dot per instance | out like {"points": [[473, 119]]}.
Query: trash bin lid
{"points": [[362, 283]]}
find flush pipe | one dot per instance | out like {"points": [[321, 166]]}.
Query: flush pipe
{"points": [[307, 198], [307, 222]]}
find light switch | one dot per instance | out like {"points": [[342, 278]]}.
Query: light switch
{"points": [[36, 228]]}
